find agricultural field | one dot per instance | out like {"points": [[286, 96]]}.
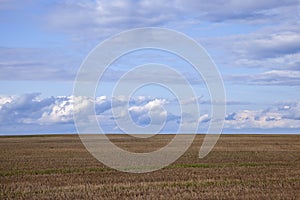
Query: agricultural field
{"points": [[239, 167]]}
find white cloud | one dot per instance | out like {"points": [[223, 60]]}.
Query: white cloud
{"points": [[203, 118], [5, 100], [56, 113], [31, 109], [285, 116], [61, 111], [152, 112]]}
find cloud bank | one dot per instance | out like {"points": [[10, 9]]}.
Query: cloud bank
{"points": [[30, 114]]}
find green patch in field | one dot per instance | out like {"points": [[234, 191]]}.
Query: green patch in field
{"points": [[193, 165], [249, 164], [52, 171], [218, 165]]}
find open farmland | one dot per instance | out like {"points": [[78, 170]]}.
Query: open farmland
{"points": [[239, 167]]}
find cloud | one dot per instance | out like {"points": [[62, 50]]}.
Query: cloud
{"points": [[33, 71], [99, 19], [60, 111], [274, 47], [23, 109], [285, 116], [272, 77], [282, 62], [36, 64], [30, 113], [204, 118], [234, 10], [31, 110], [271, 45], [152, 112], [102, 18]]}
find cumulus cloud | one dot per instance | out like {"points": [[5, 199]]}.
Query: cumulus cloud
{"points": [[285, 116], [204, 118], [31, 113], [23, 109], [32, 109], [152, 112]]}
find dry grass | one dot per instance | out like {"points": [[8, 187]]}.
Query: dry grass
{"points": [[240, 167]]}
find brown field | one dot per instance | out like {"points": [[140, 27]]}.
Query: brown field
{"points": [[239, 167]]}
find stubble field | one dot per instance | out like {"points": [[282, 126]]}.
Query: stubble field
{"points": [[239, 167]]}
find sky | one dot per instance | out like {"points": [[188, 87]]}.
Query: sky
{"points": [[255, 45]]}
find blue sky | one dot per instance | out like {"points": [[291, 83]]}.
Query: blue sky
{"points": [[255, 45]]}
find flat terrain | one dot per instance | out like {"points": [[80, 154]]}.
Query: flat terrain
{"points": [[239, 167]]}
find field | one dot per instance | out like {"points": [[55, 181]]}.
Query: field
{"points": [[239, 167]]}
